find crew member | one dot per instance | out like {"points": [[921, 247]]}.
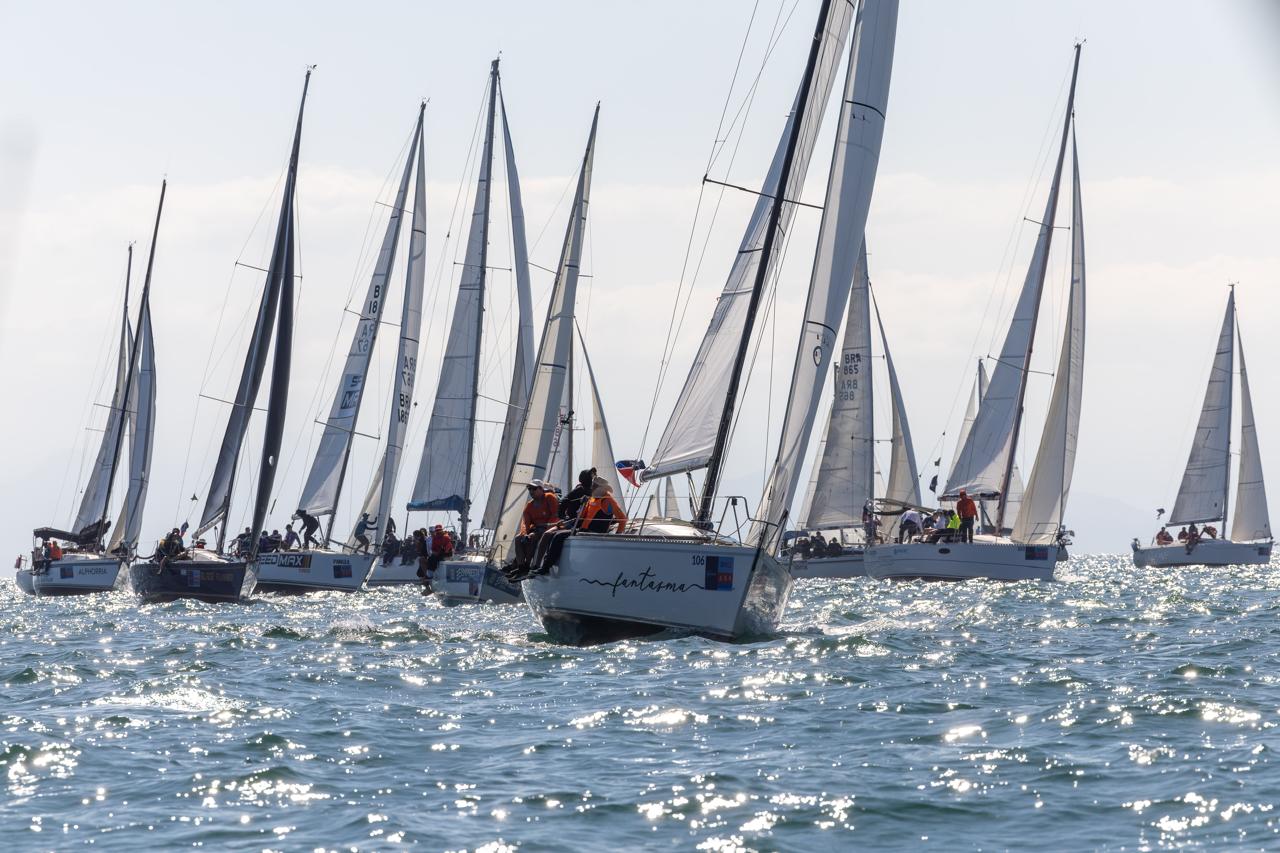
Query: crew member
{"points": [[968, 512], [540, 513], [310, 524]]}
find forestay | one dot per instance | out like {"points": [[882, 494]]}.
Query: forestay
{"points": [[1044, 502], [690, 436], [1252, 521], [1203, 494], [550, 375], [841, 253]]}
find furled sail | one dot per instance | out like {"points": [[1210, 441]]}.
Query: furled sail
{"points": [[550, 376], [1044, 502], [602, 457], [377, 504], [904, 478], [845, 477], [1203, 494], [841, 253], [985, 462], [1252, 521], [277, 288], [142, 422], [93, 506], [444, 474], [328, 469], [522, 371], [690, 436]]}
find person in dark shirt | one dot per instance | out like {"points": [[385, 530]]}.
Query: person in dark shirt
{"points": [[310, 524], [571, 506]]}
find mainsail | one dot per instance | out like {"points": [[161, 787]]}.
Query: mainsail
{"points": [[838, 263], [444, 475], [1252, 521], [984, 465], [538, 424], [277, 298], [328, 469], [1045, 500], [696, 424], [1203, 494]]}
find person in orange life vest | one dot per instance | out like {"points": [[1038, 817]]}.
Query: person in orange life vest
{"points": [[441, 548], [968, 512], [55, 550], [540, 513], [599, 513]]}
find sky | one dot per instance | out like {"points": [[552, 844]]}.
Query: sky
{"points": [[1178, 119]]}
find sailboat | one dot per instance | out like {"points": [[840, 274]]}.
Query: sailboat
{"points": [[689, 576], [1202, 498], [445, 474], [211, 575], [1028, 547], [844, 480], [87, 565], [345, 568]]}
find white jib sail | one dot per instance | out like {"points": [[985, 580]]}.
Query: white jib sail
{"points": [[602, 458], [845, 478], [522, 371], [1252, 521], [378, 501], [840, 253], [1203, 494], [324, 482], [970, 414], [93, 506], [904, 478], [672, 502], [690, 435], [1044, 502], [651, 508], [549, 379], [142, 423]]}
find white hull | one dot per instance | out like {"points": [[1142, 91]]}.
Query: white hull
{"points": [[993, 559], [394, 573], [25, 581], [473, 581], [849, 565], [310, 571], [78, 574], [608, 587], [1208, 552]]}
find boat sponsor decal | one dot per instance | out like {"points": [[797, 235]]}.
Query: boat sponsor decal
{"points": [[93, 570], [1037, 552], [645, 581], [498, 581], [286, 561], [342, 568], [193, 578], [462, 574], [719, 574], [67, 572]]}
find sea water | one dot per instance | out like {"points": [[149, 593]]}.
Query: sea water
{"points": [[1111, 709]]}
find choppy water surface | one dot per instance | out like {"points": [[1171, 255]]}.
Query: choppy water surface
{"points": [[1111, 709]]}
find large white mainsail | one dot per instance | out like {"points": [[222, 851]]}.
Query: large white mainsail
{"points": [[689, 439], [840, 253], [377, 503], [844, 479], [1044, 502], [522, 371], [984, 464], [550, 376], [142, 422], [444, 474], [1252, 521], [1203, 493], [328, 469]]}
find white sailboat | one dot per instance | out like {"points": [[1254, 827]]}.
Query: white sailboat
{"points": [[344, 568], [687, 576], [844, 478], [445, 474], [984, 466], [87, 565], [211, 575], [1206, 482]]}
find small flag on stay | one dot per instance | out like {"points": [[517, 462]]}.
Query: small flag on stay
{"points": [[628, 468]]}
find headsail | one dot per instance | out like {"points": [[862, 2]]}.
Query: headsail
{"points": [[1203, 494], [1252, 521], [539, 421], [444, 474], [672, 507], [904, 478], [1044, 502], [142, 422], [602, 457], [841, 253], [689, 440]]}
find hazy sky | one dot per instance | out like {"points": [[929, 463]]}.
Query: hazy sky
{"points": [[1179, 127]]}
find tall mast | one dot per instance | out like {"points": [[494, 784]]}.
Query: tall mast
{"points": [[1047, 230], [137, 340], [716, 460]]}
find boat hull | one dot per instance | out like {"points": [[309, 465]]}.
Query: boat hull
{"points": [[610, 587], [312, 571], [1207, 552], [850, 565], [78, 575], [25, 581], [202, 580], [473, 581], [395, 573], [956, 561]]}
